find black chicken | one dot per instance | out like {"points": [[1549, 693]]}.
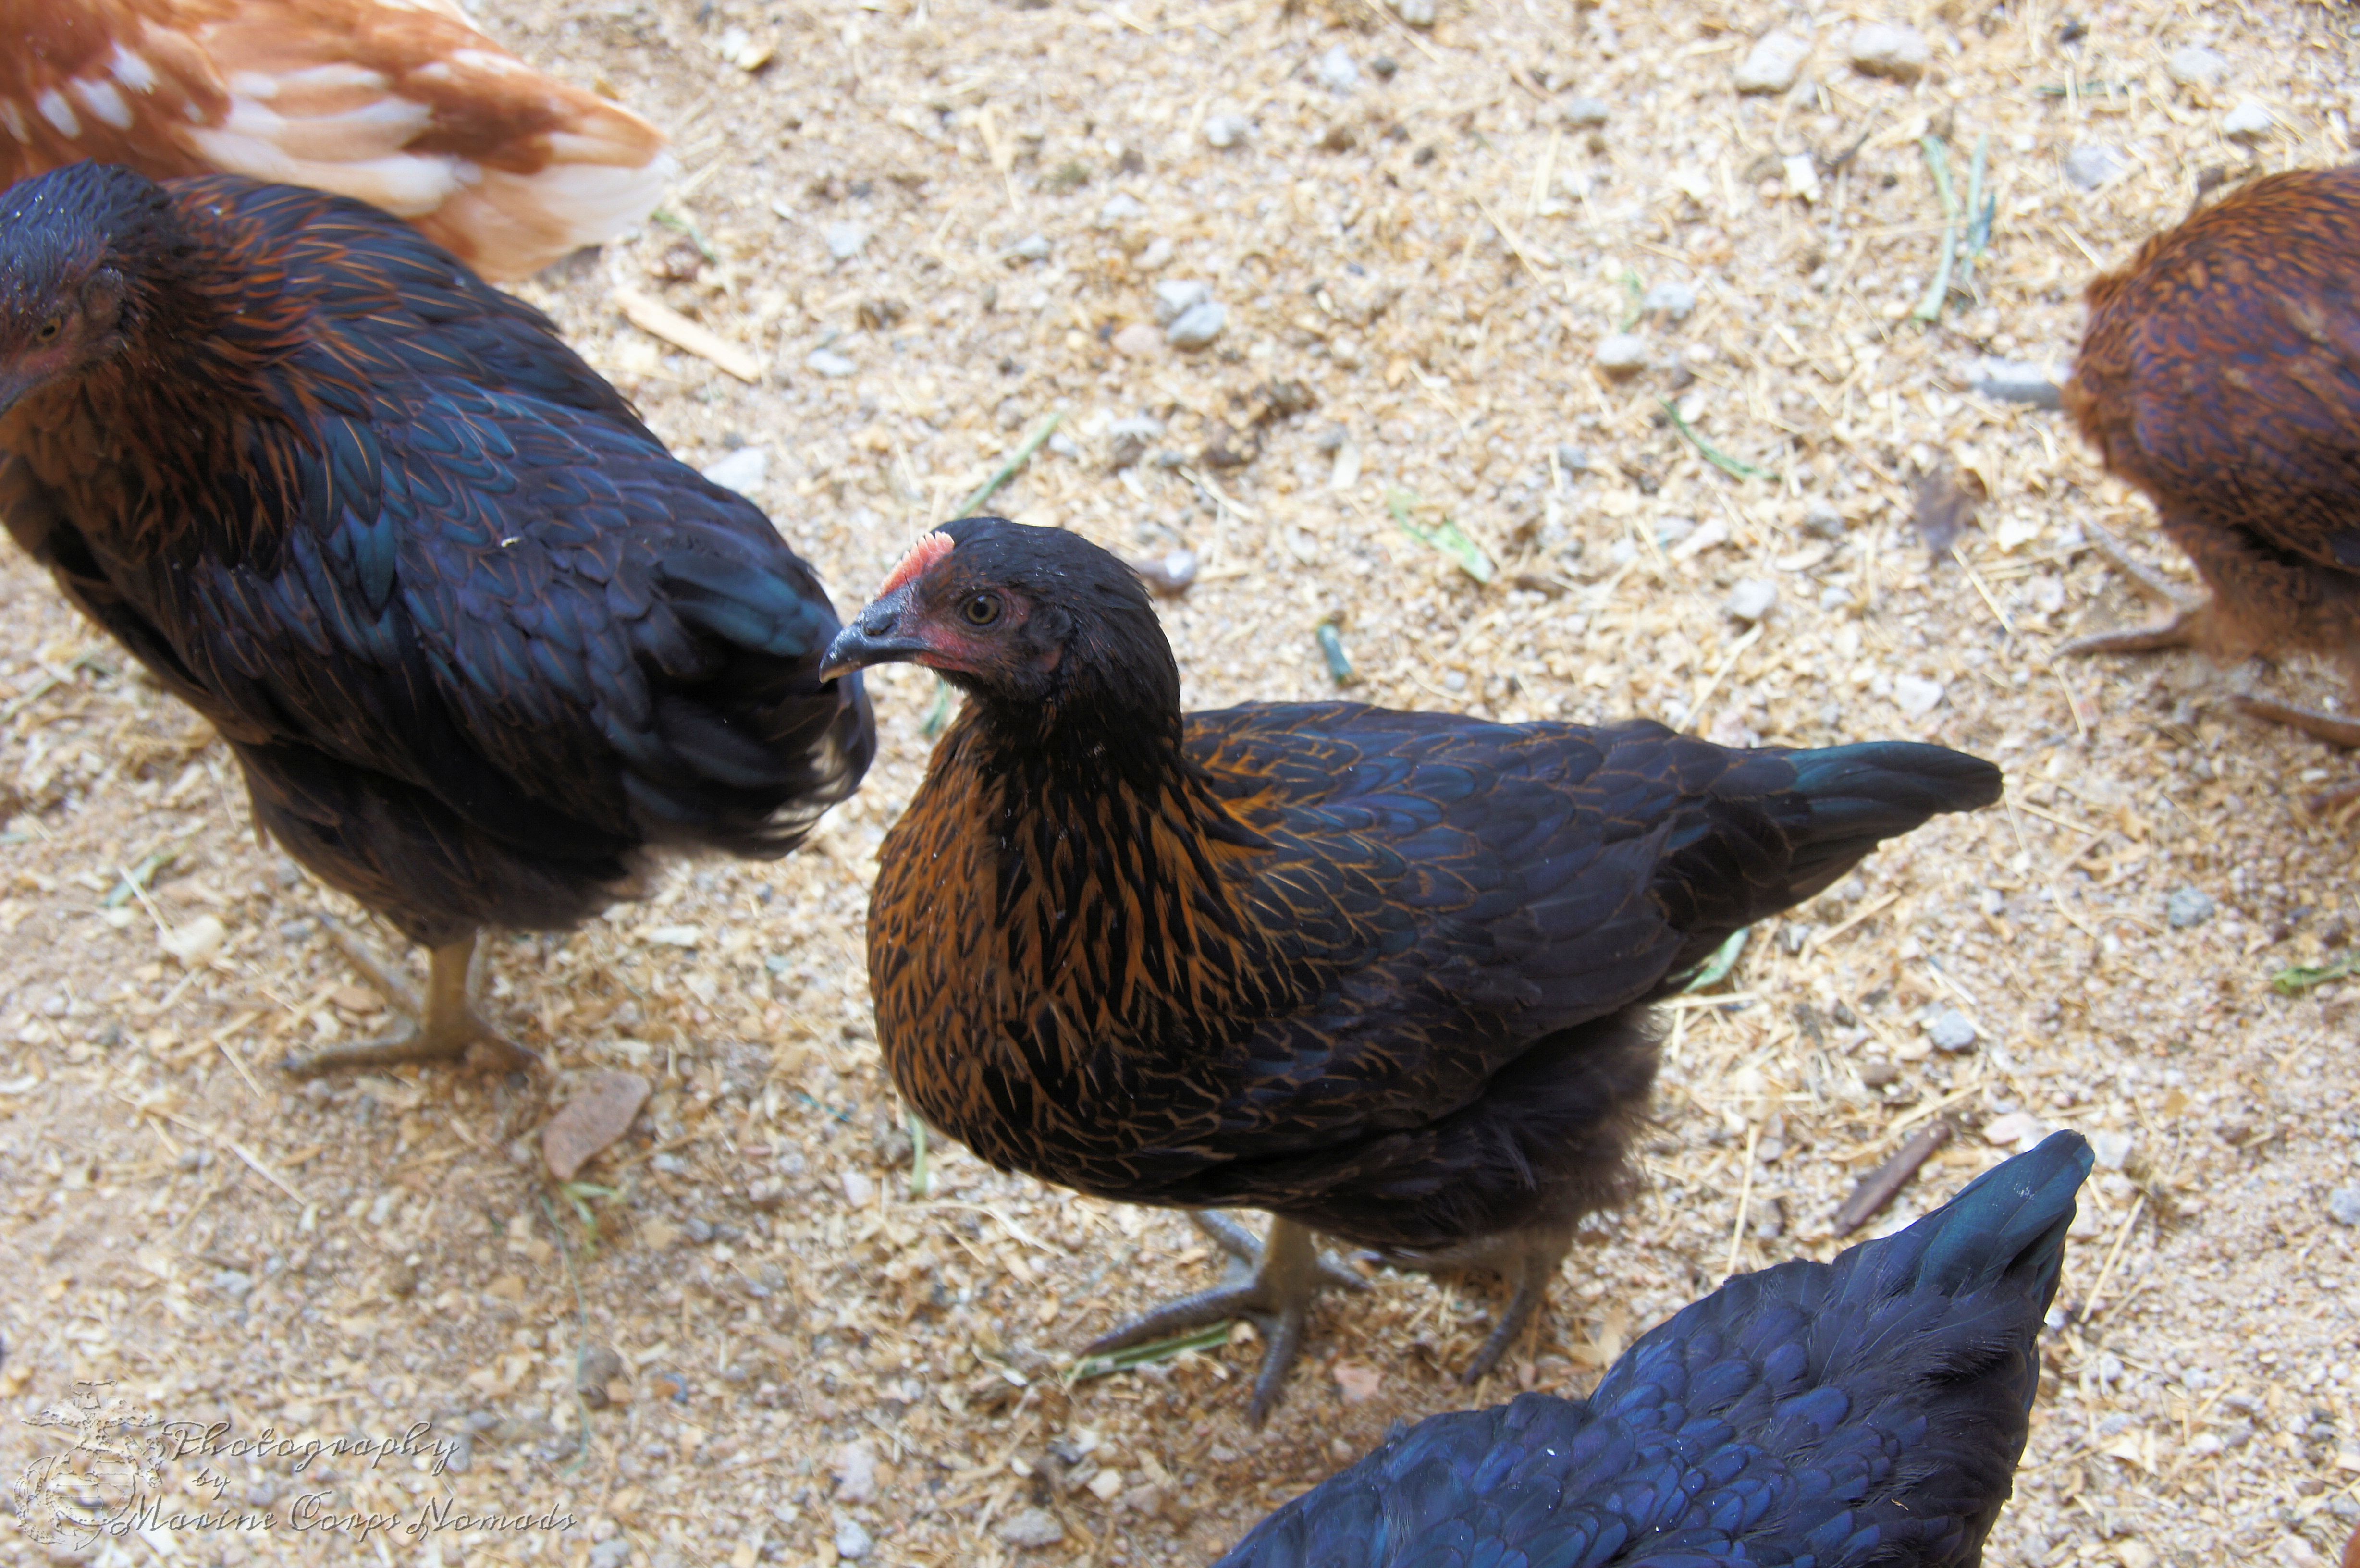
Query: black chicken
{"points": [[479, 642], [1383, 973], [1867, 1414]]}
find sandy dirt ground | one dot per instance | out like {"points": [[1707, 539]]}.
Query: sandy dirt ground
{"points": [[934, 225]]}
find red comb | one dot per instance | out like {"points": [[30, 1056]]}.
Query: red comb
{"points": [[930, 549]]}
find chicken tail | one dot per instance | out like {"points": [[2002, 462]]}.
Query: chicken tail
{"points": [[2008, 1228], [1862, 795]]}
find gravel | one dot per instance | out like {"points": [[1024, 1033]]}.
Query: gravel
{"points": [[1584, 114], [746, 471], [1228, 130], [1952, 1030], [2193, 65], [1672, 300], [846, 241], [1031, 1527], [1772, 63], [2188, 908], [2248, 122], [828, 362], [2092, 166], [1199, 325], [1883, 49], [2343, 1206], [1752, 599], [1619, 353], [1176, 297], [1337, 71]]}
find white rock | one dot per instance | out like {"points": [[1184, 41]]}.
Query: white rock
{"points": [[846, 241], [852, 1541], [2094, 164], [746, 471], [2196, 66], [1337, 71], [1199, 325], [1416, 13], [1774, 62], [1619, 353], [855, 1464], [1120, 206], [1915, 695], [828, 362], [2017, 1127], [1030, 1527], [1752, 599], [1176, 296], [1227, 130], [1882, 48], [2248, 122], [196, 941], [2111, 1149], [1803, 177], [1673, 302]]}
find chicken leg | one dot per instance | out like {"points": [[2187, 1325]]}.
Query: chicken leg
{"points": [[444, 1025], [1526, 1260], [2180, 628], [1280, 1278]]}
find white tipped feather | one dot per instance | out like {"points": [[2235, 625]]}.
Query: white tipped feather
{"points": [[334, 94]]}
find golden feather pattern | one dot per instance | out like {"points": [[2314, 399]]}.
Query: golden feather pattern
{"points": [[402, 103]]}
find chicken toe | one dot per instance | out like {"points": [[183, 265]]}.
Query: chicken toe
{"points": [[2178, 627], [443, 1026], [1276, 1296]]}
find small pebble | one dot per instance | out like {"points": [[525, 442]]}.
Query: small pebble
{"points": [[2189, 907], [1157, 256], [1227, 130], [1952, 1031], [1883, 49], [1917, 696], [2248, 122], [2015, 1128], [2110, 1149], [592, 1121], [611, 1553], [1138, 340], [2196, 66], [745, 471], [1337, 71], [1774, 62], [1384, 67], [1121, 206], [1672, 301], [1199, 325], [1584, 114], [852, 1541], [1063, 445], [1876, 1072], [1572, 459], [1416, 13], [1751, 599], [1822, 518], [1031, 1527], [828, 362], [846, 241], [1670, 532], [2093, 165], [2343, 1206], [1032, 247], [1176, 296], [1621, 353]]}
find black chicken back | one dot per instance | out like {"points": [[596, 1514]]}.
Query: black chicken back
{"points": [[478, 639], [1867, 1414]]}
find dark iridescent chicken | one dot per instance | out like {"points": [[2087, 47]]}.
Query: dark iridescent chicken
{"points": [[1383, 973], [479, 642], [1867, 1414], [2220, 374]]}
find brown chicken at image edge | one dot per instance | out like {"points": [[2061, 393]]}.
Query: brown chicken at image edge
{"points": [[2220, 372]]}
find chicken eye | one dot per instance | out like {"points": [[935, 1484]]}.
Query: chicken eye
{"points": [[981, 610], [50, 330]]}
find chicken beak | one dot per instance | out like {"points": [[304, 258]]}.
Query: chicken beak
{"points": [[16, 385], [875, 638]]}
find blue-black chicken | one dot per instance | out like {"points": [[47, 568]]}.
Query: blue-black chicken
{"points": [[1383, 973], [1866, 1413], [480, 643]]}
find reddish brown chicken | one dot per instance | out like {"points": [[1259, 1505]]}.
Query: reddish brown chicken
{"points": [[1383, 973], [402, 104], [2220, 374], [482, 646]]}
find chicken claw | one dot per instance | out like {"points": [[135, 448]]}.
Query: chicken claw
{"points": [[2178, 628], [1281, 1279], [443, 1024]]}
